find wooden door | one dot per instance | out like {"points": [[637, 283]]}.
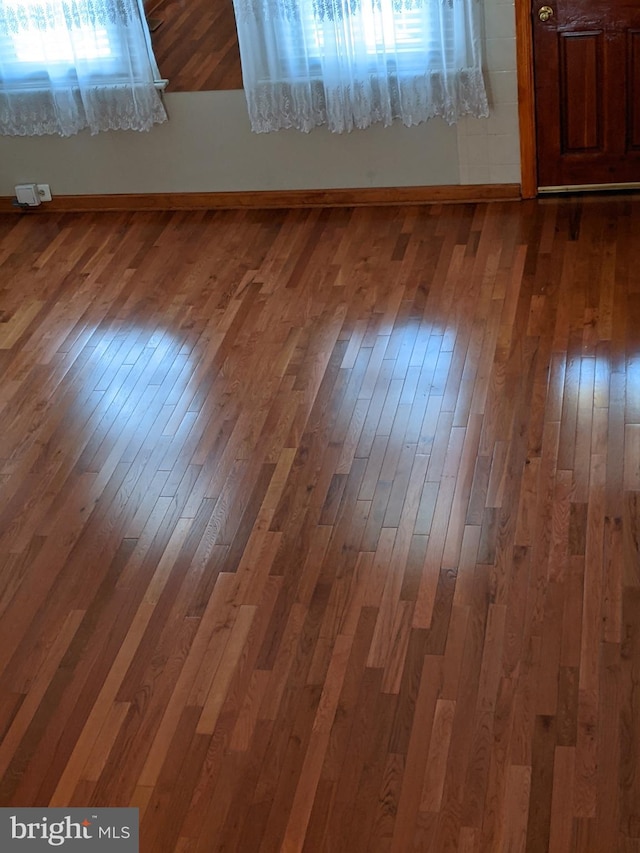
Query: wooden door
{"points": [[587, 89]]}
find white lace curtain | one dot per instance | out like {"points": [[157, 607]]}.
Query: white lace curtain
{"points": [[349, 63], [66, 65]]}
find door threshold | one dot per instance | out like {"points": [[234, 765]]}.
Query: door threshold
{"points": [[589, 188]]}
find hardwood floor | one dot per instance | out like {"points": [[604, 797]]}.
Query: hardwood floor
{"points": [[320, 530], [196, 44]]}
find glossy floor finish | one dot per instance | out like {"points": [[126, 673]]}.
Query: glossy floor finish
{"points": [[195, 44], [320, 529]]}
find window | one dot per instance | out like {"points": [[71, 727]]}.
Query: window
{"points": [[61, 47], [379, 27], [349, 63], [70, 64]]}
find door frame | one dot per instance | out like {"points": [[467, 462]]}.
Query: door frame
{"points": [[526, 99]]}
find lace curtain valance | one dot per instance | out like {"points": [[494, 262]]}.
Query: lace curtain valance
{"points": [[67, 65], [350, 63]]}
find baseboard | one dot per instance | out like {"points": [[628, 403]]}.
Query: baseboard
{"points": [[274, 199]]}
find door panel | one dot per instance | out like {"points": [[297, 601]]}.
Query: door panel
{"points": [[587, 83], [633, 101], [580, 86]]}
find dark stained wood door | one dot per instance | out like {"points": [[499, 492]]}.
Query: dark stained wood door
{"points": [[587, 81]]}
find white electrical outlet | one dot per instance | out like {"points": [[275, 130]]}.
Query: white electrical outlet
{"points": [[27, 195], [31, 195]]}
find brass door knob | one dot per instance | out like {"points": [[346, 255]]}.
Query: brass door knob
{"points": [[544, 13]]}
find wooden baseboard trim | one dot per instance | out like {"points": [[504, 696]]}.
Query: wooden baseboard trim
{"points": [[274, 199]]}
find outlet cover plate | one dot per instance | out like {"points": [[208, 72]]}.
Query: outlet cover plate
{"points": [[27, 194], [44, 191]]}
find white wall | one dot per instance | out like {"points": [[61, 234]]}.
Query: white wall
{"points": [[489, 149], [207, 146]]}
